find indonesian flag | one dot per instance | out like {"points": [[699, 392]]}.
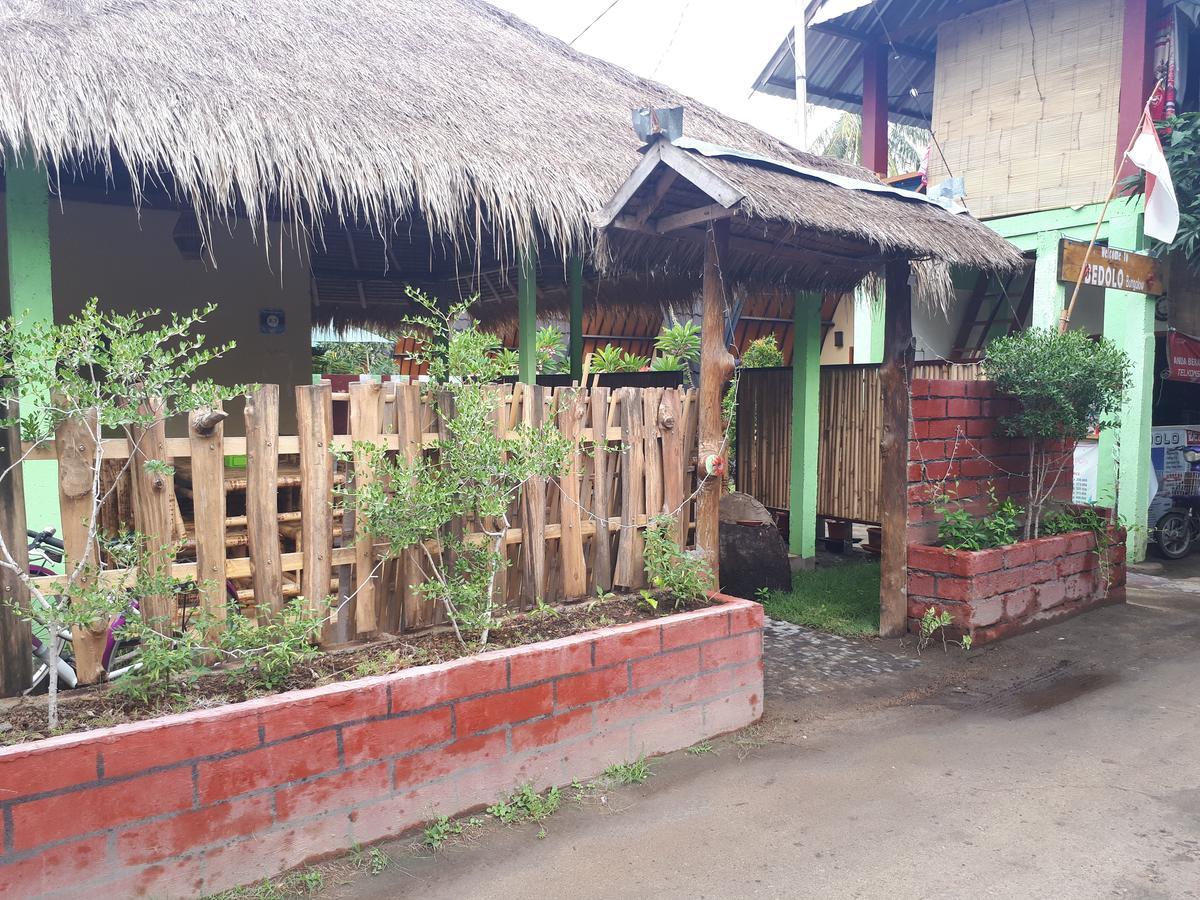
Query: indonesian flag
{"points": [[1162, 209]]}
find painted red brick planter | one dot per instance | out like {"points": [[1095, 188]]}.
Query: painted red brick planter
{"points": [[196, 803], [995, 593]]}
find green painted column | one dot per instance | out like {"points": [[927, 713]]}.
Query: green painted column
{"points": [[1049, 297], [27, 214], [527, 318], [575, 288], [806, 425], [1125, 450]]}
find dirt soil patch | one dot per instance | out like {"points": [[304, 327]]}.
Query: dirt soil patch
{"points": [[23, 719]]}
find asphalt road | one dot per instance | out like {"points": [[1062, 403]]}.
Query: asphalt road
{"points": [[1060, 764]]}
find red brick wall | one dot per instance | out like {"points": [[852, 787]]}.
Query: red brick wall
{"points": [[197, 803], [994, 593], [957, 446]]}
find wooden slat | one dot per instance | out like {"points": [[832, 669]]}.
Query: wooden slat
{"points": [[630, 571], [651, 397], [206, 433], [670, 426], [572, 407], [534, 507], [416, 611], [314, 420], [75, 446], [152, 493], [16, 638], [262, 498], [364, 427], [602, 567]]}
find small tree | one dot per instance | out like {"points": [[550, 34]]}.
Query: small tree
{"points": [[475, 477], [1065, 385], [110, 372]]}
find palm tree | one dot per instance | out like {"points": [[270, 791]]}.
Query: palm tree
{"points": [[843, 140]]}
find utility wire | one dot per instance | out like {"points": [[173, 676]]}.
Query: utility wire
{"points": [[604, 12], [671, 42]]}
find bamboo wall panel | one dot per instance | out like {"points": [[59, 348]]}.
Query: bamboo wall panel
{"points": [[1025, 104], [848, 452]]}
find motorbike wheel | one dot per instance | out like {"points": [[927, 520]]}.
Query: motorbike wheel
{"points": [[1174, 536]]}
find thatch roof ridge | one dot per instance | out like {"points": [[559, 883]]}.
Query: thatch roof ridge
{"points": [[366, 109]]}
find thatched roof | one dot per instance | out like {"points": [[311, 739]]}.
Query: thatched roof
{"points": [[451, 117], [449, 108], [789, 224]]}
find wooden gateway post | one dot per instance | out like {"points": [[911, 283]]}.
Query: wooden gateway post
{"points": [[895, 384], [716, 367]]}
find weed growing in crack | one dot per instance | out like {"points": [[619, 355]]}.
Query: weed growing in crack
{"points": [[636, 772]]}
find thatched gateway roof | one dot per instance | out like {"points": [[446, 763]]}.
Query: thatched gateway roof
{"points": [[451, 115], [790, 224]]}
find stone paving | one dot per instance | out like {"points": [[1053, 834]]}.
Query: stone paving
{"points": [[800, 660]]}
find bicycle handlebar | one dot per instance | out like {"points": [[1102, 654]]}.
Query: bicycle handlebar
{"points": [[46, 537]]}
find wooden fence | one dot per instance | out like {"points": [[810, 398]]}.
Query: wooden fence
{"points": [[851, 426], [271, 529]]}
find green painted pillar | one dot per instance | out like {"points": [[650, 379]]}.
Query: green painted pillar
{"points": [[575, 287], [1049, 297], [27, 213], [1125, 450], [527, 318], [806, 425]]}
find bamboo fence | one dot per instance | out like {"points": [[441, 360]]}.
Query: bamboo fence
{"points": [[851, 426]]}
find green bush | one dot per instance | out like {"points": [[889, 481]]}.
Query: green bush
{"points": [[1065, 385]]}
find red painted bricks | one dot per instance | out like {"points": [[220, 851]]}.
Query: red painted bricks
{"points": [[201, 802], [995, 593]]}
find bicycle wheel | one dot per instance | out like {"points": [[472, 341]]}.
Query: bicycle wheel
{"points": [[41, 650]]}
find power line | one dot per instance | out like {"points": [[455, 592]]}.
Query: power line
{"points": [[604, 12], [671, 42]]}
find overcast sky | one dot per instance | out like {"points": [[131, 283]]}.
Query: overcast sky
{"points": [[709, 49]]}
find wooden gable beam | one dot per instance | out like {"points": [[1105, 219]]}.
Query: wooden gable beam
{"points": [[665, 183]]}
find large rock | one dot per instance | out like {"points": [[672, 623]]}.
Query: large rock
{"points": [[753, 554]]}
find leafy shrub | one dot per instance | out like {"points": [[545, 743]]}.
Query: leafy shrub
{"points": [[609, 359], [959, 530], [763, 353], [269, 650], [1065, 385], [683, 577]]}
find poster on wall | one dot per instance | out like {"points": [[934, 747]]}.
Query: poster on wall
{"points": [[1174, 465], [1087, 465], [1183, 357]]}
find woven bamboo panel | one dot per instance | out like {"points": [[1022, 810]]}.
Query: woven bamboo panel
{"points": [[1025, 104]]}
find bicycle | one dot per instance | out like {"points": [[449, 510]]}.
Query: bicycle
{"points": [[120, 652]]}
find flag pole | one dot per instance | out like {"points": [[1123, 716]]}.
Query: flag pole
{"points": [[1064, 321]]}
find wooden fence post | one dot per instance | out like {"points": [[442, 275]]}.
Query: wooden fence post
{"points": [[314, 417], [533, 531], [893, 445], [631, 571], [602, 566], [364, 428], [206, 440], [75, 446], [416, 611], [674, 464], [262, 499], [651, 398], [574, 567], [152, 496], [16, 636]]}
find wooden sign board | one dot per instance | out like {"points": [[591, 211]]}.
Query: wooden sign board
{"points": [[1108, 267]]}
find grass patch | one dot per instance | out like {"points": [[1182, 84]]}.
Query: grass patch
{"points": [[842, 599]]}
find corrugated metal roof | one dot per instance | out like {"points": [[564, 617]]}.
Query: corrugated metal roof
{"points": [[835, 59]]}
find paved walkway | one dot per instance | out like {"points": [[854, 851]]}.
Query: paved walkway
{"points": [[1060, 764], [802, 661]]}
